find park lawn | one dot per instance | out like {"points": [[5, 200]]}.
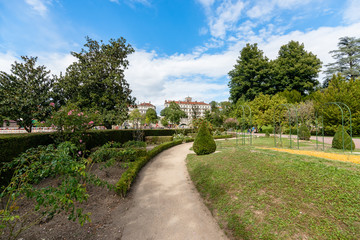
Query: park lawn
{"points": [[262, 194]]}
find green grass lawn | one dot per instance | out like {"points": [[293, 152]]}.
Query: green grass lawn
{"points": [[263, 194]]}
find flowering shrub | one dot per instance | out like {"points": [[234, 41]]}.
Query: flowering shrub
{"points": [[231, 123], [197, 122], [72, 123]]}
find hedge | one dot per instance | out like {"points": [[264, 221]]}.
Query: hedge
{"points": [[158, 139], [128, 177], [12, 145]]}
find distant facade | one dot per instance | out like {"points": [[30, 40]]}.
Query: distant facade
{"points": [[193, 109], [143, 107]]}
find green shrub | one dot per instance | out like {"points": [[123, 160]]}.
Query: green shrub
{"points": [[267, 134], [133, 143], [158, 139], [223, 136], [337, 141], [304, 133], [128, 177], [204, 142]]}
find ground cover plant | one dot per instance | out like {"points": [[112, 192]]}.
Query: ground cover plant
{"points": [[262, 194], [53, 183]]}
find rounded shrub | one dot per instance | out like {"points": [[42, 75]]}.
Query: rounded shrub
{"points": [[337, 141], [204, 142], [267, 134], [304, 133]]}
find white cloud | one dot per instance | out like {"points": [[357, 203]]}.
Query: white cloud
{"points": [[6, 59], [206, 3], [38, 6], [204, 76], [352, 13], [226, 16]]}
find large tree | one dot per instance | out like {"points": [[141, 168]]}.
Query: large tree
{"points": [[250, 75], [173, 113], [25, 93], [96, 80], [347, 58], [295, 69]]}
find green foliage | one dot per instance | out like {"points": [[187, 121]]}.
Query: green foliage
{"points": [[263, 109], [339, 90], [96, 80], [31, 168], [204, 142], [112, 151], [292, 96], [347, 59], [295, 68], [337, 141], [250, 75], [267, 134], [164, 122], [13, 145], [25, 93], [304, 132], [72, 124], [173, 113], [253, 74], [158, 139], [231, 123], [151, 116], [128, 177], [133, 143]]}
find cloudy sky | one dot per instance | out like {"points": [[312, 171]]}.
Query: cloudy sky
{"points": [[183, 47]]}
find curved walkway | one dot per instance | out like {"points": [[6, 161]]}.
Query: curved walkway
{"points": [[165, 203]]}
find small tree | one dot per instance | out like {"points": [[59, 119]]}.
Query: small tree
{"points": [[25, 94], [151, 116], [304, 133], [204, 142], [173, 113]]}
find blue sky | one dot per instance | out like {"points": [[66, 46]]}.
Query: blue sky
{"points": [[183, 47]]}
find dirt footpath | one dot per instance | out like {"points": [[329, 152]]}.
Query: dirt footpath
{"points": [[165, 204]]}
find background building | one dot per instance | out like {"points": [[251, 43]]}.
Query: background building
{"points": [[193, 109]]}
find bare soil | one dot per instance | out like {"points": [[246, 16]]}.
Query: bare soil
{"points": [[100, 204]]}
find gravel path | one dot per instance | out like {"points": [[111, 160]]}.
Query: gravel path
{"points": [[165, 203]]}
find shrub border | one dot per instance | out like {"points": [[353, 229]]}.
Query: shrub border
{"points": [[128, 177]]}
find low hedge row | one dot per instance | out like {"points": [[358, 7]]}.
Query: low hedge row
{"points": [[12, 145], [128, 177], [158, 139], [223, 136]]}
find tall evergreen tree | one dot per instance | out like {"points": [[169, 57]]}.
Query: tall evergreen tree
{"points": [[295, 69], [250, 75], [347, 58]]}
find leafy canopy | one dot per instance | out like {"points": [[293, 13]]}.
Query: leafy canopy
{"points": [[294, 69], [151, 116], [25, 93], [173, 113], [96, 80]]}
